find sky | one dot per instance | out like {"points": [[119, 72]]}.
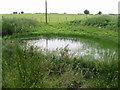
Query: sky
{"points": [[59, 6]]}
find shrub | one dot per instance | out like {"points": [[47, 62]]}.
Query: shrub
{"points": [[86, 12]]}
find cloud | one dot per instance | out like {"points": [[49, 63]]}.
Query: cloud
{"points": [[59, 6]]}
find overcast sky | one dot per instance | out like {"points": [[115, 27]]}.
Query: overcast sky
{"points": [[59, 6]]}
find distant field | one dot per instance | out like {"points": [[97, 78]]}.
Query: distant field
{"points": [[52, 18]]}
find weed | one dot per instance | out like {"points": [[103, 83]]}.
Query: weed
{"points": [[34, 69]]}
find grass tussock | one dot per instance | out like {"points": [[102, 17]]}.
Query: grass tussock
{"points": [[29, 68]]}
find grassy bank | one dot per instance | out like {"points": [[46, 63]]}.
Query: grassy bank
{"points": [[29, 68], [89, 27]]}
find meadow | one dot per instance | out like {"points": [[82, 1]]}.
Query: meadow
{"points": [[35, 69]]}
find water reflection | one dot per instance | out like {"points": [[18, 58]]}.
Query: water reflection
{"points": [[79, 47]]}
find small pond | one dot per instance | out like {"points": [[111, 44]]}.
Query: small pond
{"points": [[78, 47]]}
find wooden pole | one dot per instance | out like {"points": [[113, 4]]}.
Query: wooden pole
{"points": [[46, 12]]}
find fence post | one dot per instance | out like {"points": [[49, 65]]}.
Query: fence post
{"points": [[49, 19], [66, 19]]}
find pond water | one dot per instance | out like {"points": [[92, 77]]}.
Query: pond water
{"points": [[78, 47]]}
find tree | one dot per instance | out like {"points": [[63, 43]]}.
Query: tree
{"points": [[99, 12], [14, 12], [86, 12], [65, 13], [22, 12]]}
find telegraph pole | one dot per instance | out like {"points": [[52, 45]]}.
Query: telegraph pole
{"points": [[46, 12]]}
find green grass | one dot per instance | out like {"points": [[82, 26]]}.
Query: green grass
{"points": [[52, 18], [32, 69], [29, 68], [109, 22], [71, 31], [16, 24]]}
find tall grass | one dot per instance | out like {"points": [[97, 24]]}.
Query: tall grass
{"points": [[18, 25], [104, 21], [29, 68], [119, 22], [0, 25]]}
